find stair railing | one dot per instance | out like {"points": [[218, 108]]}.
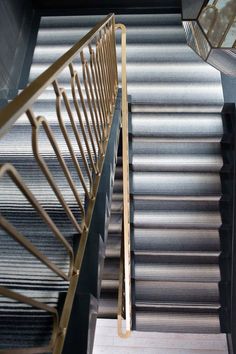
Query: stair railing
{"points": [[124, 293], [93, 98]]}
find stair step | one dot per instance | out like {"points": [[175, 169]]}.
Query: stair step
{"points": [[201, 203], [176, 219], [176, 292], [180, 307], [119, 171], [175, 183], [115, 225], [177, 272], [140, 34], [147, 72], [146, 145], [178, 96], [177, 125], [128, 19], [116, 206], [177, 257], [117, 197], [109, 285], [177, 322], [108, 307], [176, 239], [113, 247], [135, 53], [178, 163], [202, 106], [118, 186], [111, 269], [147, 93]]}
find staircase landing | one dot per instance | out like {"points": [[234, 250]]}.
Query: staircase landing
{"points": [[107, 341]]}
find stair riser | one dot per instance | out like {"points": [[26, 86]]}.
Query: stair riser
{"points": [[176, 240], [182, 293]]}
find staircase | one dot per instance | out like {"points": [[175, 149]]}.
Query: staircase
{"points": [[175, 151], [175, 160]]}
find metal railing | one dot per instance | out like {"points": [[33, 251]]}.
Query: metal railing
{"points": [[90, 113], [124, 293]]}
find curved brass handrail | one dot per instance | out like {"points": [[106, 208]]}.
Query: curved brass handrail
{"points": [[126, 199]]}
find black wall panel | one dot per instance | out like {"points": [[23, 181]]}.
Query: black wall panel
{"points": [[15, 28], [107, 6], [229, 88], [106, 3]]}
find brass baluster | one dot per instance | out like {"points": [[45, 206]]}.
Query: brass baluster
{"points": [[36, 124], [84, 68], [100, 87], [111, 60], [60, 93], [16, 178], [90, 87], [105, 76], [102, 80], [109, 64], [96, 90], [75, 81], [114, 50]]}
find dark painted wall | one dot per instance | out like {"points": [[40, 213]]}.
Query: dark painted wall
{"points": [[229, 88], [106, 3], [191, 9], [15, 28], [106, 6]]}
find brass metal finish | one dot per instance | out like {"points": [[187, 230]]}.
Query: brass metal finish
{"points": [[36, 123], [75, 82], [61, 94], [90, 119], [126, 195]]}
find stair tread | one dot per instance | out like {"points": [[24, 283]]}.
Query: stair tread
{"points": [[177, 219], [175, 183], [176, 239], [177, 322], [150, 291], [178, 163], [155, 146], [50, 21], [177, 253], [177, 272], [178, 306]]}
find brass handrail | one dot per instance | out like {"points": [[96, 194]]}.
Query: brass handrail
{"points": [[93, 99], [126, 202]]}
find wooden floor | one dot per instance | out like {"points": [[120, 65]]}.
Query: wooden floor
{"points": [[107, 342]]}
